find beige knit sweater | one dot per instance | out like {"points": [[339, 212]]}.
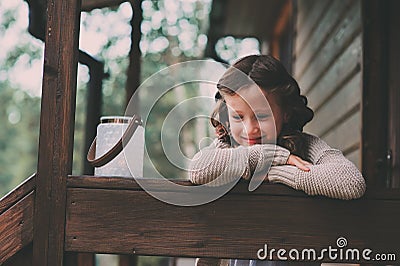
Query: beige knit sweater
{"points": [[331, 174]]}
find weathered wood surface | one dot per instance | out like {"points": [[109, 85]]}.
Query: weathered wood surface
{"points": [[21, 258], [134, 68], [16, 227], [394, 93], [56, 130], [308, 16], [375, 93], [330, 34], [347, 133], [119, 183], [122, 183], [130, 221], [88, 5], [328, 67], [17, 194], [346, 67], [79, 259], [336, 39]]}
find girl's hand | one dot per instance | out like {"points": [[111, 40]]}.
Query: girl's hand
{"points": [[298, 162]]}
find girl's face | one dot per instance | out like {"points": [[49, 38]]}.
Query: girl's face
{"points": [[254, 118]]}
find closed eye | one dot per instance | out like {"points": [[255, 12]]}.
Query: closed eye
{"points": [[262, 116], [237, 117]]}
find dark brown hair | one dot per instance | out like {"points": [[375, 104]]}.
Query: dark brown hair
{"points": [[271, 76]]}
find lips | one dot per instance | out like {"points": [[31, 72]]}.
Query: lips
{"points": [[252, 141]]}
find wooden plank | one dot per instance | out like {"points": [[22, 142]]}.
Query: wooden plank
{"points": [[133, 73], [153, 184], [22, 257], [340, 38], [375, 101], [341, 70], [394, 94], [88, 5], [115, 182], [235, 226], [17, 194], [56, 130], [128, 260], [94, 100], [304, 7], [79, 259], [16, 227], [338, 106], [310, 12], [380, 193], [346, 134], [267, 189], [321, 34]]}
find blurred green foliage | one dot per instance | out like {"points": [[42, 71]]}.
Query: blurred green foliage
{"points": [[172, 31], [18, 136]]}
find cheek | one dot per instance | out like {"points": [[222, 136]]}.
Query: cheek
{"points": [[236, 132], [236, 128], [270, 130], [268, 127]]}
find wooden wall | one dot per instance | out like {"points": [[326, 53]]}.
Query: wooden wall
{"points": [[327, 64]]}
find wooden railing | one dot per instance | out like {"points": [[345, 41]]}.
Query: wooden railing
{"points": [[16, 219], [115, 215]]}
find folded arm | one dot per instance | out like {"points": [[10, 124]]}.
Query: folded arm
{"points": [[331, 174], [221, 165]]}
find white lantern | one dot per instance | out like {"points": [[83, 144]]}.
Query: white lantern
{"points": [[114, 138]]}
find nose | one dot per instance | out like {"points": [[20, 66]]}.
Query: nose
{"points": [[252, 127]]}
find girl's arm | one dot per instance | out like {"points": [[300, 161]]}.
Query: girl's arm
{"points": [[331, 174], [220, 165]]}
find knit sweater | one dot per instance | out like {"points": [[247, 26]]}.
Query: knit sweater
{"points": [[330, 175]]}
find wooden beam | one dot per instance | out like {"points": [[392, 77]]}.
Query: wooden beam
{"points": [[394, 94], [121, 183], [128, 260], [133, 72], [88, 5], [22, 257], [280, 26], [16, 227], [56, 130], [375, 92], [17, 194], [235, 226], [94, 102]]}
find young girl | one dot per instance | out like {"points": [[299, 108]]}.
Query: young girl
{"points": [[248, 125]]}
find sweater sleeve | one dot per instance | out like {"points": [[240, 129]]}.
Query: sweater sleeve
{"points": [[331, 174], [219, 164]]}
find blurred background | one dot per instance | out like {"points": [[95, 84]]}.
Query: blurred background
{"points": [[172, 31]]}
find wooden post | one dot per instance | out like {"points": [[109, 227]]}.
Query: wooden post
{"points": [[94, 102], [133, 82], [126, 260], [375, 92], [394, 95], [56, 130], [133, 72]]}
